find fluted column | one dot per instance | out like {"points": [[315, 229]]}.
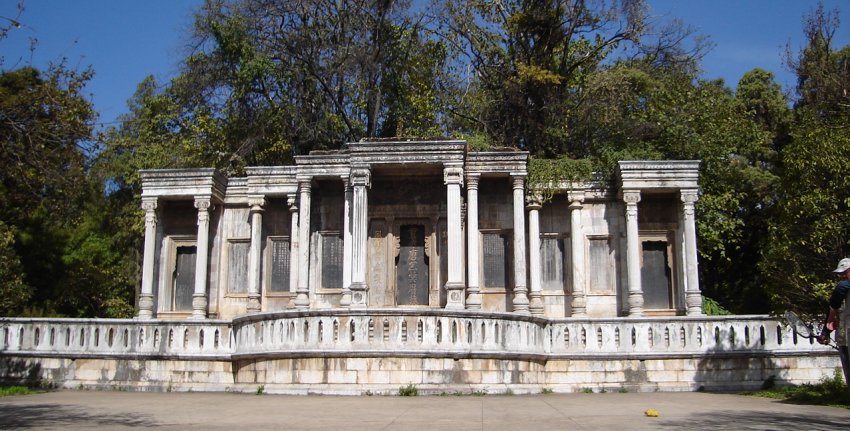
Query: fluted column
{"points": [[360, 180], [256, 204], [345, 300], [473, 289], [520, 288], [302, 293], [293, 243], [631, 198], [453, 178], [199, 297], [146, 294], [536, 303], [578, 302], [693, 298]]}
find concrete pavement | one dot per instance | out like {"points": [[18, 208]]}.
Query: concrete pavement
{"points": [[106, 410]]}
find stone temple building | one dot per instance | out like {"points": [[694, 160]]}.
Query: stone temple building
{"points": [[418, 224], [401, 262]]}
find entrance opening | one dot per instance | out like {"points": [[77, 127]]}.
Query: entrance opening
{"points": [[655, 276], [184, 277]]}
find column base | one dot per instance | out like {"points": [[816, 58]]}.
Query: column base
{"points": [[535, 306], [254, 305], [145, 307], [302, 300], [578, 306], [199, 306], [345, 300], [358, 295], [636, 304], [693, 300], [473, 298], [521, 300], [454, 295]]}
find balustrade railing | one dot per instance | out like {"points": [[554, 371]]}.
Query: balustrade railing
{"points": [[400, 332]]}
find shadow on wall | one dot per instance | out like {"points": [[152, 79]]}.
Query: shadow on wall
{"points": [[739, 360], [21, 372]]}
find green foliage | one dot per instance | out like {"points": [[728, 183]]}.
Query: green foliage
{"points": [[9, 391], [831, 391], [545, 175], [14, 293], [710, 307], [408, 391]]}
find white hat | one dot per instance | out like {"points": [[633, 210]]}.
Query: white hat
{"points": [[843, 265]]}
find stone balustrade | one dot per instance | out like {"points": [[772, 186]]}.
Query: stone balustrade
{"points": [[115, 338], [401, 333]]}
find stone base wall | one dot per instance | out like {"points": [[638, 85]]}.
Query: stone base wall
{"points": [[385, 375]]}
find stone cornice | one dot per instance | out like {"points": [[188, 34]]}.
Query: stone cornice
{"points": [[183, 183], [658, 174]]}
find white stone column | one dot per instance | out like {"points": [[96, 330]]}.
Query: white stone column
{"points": [[293, 243], [520, 288], [578, 302], [360, 180], [536, 303], [256, 204], [345, 300], [631, 198], [199, 297], [453, 178], [473, 289], [146, 294], [693, 298], [302, 293]]}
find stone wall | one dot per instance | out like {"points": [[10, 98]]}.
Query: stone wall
{"points": [[377, 351]]}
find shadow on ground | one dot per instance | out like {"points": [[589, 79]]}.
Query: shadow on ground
{"points": [[57, 415], [750, 420]]}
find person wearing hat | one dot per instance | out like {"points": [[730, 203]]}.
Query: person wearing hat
{"points": [[839, 316]]}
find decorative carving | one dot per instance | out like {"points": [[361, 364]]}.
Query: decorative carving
{"points": [[428, 245], [290, 201], [203, 203], [396, 245], [631, 196], [256, 203], [576, 198], [149, 204], [361, 177], [518, 181], [453, 175], [472, 181]]}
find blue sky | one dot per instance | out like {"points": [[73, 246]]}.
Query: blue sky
{"points": [[124, 40]]}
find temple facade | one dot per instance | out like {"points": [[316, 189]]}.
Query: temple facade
{"points": [[398, 263], [419, 224]]}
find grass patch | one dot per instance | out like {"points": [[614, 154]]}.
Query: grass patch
{"points": [[831, 391], [408, 391], [8, 391]]}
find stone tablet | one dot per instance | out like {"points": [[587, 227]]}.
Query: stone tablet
{"points": [[412, 266]]}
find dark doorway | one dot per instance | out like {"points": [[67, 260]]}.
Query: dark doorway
{"points": [[655, 276], [184, 277]]}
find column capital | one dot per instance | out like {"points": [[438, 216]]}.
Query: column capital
{"points": [[453, 175], [346, 181], [290, 201], [361, 176], [631, 196], [576, 198], [688, 196], [533, 202], [518, 181], [256, 202], [304, 184], [472, 181], [204, 203], [149, 204]]}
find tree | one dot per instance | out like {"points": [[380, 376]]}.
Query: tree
{"points": [[533, 63]]}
